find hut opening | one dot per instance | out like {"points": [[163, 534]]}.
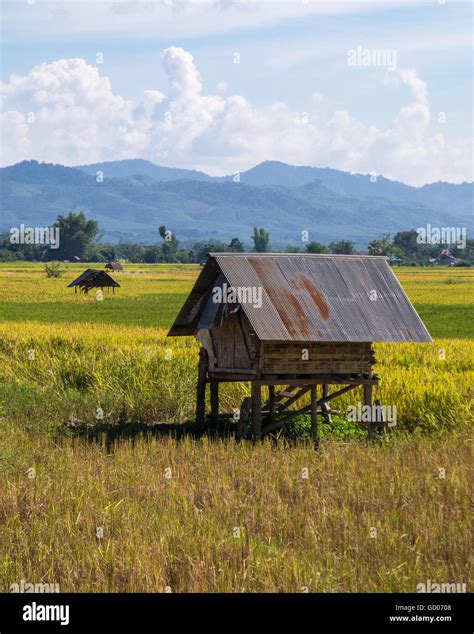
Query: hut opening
{"points": [[92, 278]]}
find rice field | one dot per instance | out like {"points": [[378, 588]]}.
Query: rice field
{"points": [[202, 514]]}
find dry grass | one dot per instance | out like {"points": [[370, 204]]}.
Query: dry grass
{"points": [[180, 532]]}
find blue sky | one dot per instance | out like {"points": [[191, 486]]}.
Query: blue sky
{"points": [[293, 70]]}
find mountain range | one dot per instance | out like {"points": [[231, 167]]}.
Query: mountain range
{"points": [[131, 198]]}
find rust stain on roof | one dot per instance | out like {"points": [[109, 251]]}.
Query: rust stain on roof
{"points": [[316, 295], [286, 304]]}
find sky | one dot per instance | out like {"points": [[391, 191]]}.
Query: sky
{"points": [[221, 85]]}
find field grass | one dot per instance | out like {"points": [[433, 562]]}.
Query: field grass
{"points": [[66, 358], [236, 518]]}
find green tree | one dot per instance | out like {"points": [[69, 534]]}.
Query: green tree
{"points": [[406, 242], [345, 247], [76, 233], [131, 252], [261, 240], [201, 249], [383, 246], [170, 244], [316, 247], [153, 254], [236, 246]]}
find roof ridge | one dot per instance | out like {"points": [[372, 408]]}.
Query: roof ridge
{"points": [[306, 255]]}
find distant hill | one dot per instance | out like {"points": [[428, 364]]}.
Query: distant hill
{"points": [[139, 167], [284, 199]]}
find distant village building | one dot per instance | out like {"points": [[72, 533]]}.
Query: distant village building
{"points": [[304, 321], [114, 266], [92, 278], [445, 259]]}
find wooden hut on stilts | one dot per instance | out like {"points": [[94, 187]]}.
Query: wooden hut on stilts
{"points": [[306, 322]]}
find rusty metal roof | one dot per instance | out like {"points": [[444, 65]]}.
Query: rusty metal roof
{"points": [[308, 297]]}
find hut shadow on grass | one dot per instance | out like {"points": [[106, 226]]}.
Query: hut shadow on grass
{"points": [[298, 433], [128, 430]]}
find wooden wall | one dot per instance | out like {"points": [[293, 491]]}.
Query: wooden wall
{"points": [[234, 343], [288, 357]]}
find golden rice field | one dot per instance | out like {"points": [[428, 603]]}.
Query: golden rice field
{"points": [[212, 515]]}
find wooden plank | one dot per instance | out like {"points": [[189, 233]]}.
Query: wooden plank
{"points": [[275, 379], [380, 421], [214, 389], [368, 401], [306, 409], [271, 403], [314, 416], [235, 371], [293, 399], [256, 411], [201, 386]]}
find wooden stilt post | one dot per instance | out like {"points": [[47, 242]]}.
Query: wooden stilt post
{"points": [[314, 416], [379, 421], [271, 403], [368, 402], [256, 411], [201, 386], [214, 400]]}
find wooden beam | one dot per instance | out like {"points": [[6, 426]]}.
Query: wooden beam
{"points": [[293, 399], [244, 414], [280, 395], [316, 379], [307, 409], [314, 416], [271, 403], [214, 400], [201, 386], [256, 411], [368, 401], [379, 421], [235, 371]]}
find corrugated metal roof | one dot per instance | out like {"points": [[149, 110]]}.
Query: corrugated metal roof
{"points": [[308, 297]]}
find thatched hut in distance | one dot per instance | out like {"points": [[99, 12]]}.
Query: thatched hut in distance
{"points": [[92, 278], [114, 266], [299, 320]]}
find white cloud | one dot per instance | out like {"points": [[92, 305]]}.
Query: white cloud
{"points": [[175, 18], [79, 119]]}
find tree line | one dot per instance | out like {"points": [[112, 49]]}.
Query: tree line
{"points": [[80, 241]]}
